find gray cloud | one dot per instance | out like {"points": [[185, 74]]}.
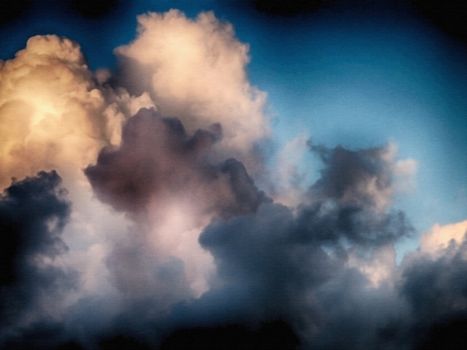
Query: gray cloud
{"points": [[284, 277], [33, 213], [277, 264], [436, 290], [159, 161], [157, 158]]}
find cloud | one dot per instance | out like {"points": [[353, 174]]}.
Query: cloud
{"points": [[164, 239], [33, 213], [268, 258], [363, 177], [74, 113], [353, 195], [48, 108], [166, 180], [440, 237], [435, 288], [288, 180], [290, 265], [54, 114], [57, 114], [321, 270], [195, 70]]}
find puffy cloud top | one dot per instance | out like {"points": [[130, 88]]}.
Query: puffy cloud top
{"points": [[195, 71], [49, 109]]}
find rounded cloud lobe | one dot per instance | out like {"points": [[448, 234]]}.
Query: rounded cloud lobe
{"points": [[195, 70], [162, 238], [49, 109]]}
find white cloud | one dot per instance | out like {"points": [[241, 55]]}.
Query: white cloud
{"points": [[196, 71]]}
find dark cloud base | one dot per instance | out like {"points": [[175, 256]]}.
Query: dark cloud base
{"points": [[283, 278], [33, 213]]}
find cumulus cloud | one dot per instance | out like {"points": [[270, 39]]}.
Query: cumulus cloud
{"points": [[157, 159], [49, 109], [296, 265], [195, 70], [163, 239], [164, 177], [57, 114], [54, 114]]}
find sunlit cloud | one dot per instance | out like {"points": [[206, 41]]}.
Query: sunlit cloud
{"points": [[141, 204]]}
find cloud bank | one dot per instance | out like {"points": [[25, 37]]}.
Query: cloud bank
{"points": [[135, 220]]}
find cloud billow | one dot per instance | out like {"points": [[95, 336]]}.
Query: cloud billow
{"points": [[164, 237], [289, 265], [33, 213], [157, 159]]}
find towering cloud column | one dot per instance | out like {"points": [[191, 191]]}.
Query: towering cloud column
{"points": [[195, 70]]}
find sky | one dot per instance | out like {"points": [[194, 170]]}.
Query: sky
{"points": [[233, 174]]}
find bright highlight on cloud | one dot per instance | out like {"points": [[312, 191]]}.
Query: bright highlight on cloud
{"points": [[54, 114], [50, 109], [134, 218], [441, 237]]}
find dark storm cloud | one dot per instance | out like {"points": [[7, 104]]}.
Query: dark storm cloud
{"points": [[283, 276], [259, 256], [33, 213], [26, 208], [272, 273], [158, 158], [436, 289], [275, 264]]}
